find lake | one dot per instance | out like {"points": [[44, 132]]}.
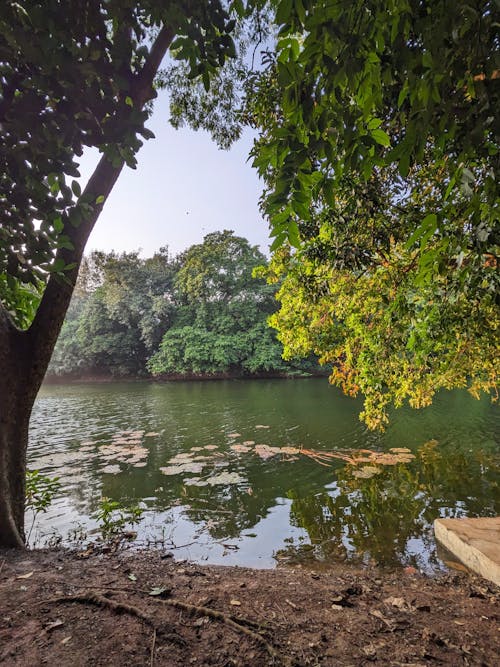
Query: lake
{"points": [[260, 472]]}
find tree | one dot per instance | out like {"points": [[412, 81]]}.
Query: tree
{"points": [[120, 309], [379, 145], [220, 322], [71, 77]]}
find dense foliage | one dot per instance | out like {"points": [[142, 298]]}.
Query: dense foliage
{"points": [[201, 313], [120, 309], [379, 143]]}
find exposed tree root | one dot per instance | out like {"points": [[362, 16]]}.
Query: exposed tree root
{"points": [[94, 598], [238, 625]]}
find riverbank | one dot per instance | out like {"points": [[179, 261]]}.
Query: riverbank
{"points": [[179, 377], [141, 608]]}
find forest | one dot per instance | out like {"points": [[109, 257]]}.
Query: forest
{"points": [[200, 314]]}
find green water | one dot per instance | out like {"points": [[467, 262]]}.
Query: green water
{"points": [[286, 508]]}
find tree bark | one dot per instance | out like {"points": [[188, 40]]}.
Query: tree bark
{"points": [[25, 355]]}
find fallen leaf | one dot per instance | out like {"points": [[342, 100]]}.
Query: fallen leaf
{"points": [[25, 576], [132, 577], [160, 591], [395, 602], [66, 639], [52, 626], [235, 603]]}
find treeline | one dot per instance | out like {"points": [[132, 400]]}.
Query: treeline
{"points": [[201, 313]]}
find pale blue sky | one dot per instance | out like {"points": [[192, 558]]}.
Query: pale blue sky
{"points": [[183, 188]]}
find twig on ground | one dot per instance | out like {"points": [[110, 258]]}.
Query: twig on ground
{"points": [[152, 661], [2, 564]]}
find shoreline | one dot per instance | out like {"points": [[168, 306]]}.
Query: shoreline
{"points": [[107, 379], [64, 608]]}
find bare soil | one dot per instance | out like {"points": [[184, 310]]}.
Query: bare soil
{"points": [[142, 609]]}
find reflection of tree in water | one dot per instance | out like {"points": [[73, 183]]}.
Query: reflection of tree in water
{"points": [[376, 517]]}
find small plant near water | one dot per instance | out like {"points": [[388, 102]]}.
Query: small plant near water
{"points": [[40, 491], [113, 519]]}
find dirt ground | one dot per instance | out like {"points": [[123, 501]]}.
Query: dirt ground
{"points": [[141, 609]]}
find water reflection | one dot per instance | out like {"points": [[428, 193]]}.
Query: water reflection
{"points": [[388, 517], [283, 507]]}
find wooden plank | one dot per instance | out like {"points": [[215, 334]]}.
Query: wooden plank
{"points": [[475, 542]]}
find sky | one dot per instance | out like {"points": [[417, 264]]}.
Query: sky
{"points": [[183, 188]]}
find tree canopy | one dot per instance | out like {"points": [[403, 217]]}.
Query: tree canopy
{"points": [[381, 160], [198, 314]]}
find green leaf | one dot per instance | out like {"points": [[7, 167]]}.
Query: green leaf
{"points": [[284, 11], [426, 228], [159, 591], [374, 123], [381, 137], [58, 224], [76, 188], [100, 199]]}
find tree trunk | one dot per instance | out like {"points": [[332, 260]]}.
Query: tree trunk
{"points": [[25, 355], [17, 395]]}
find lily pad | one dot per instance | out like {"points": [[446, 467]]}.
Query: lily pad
{"points": [[225, 478], [266, 451], [242, 449], [112, 470], [183, 467], [195, 481]]}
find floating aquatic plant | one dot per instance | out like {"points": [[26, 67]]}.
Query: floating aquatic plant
{"points": [[241, 449], [225, 478], [177, 469], [111, 470]]}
